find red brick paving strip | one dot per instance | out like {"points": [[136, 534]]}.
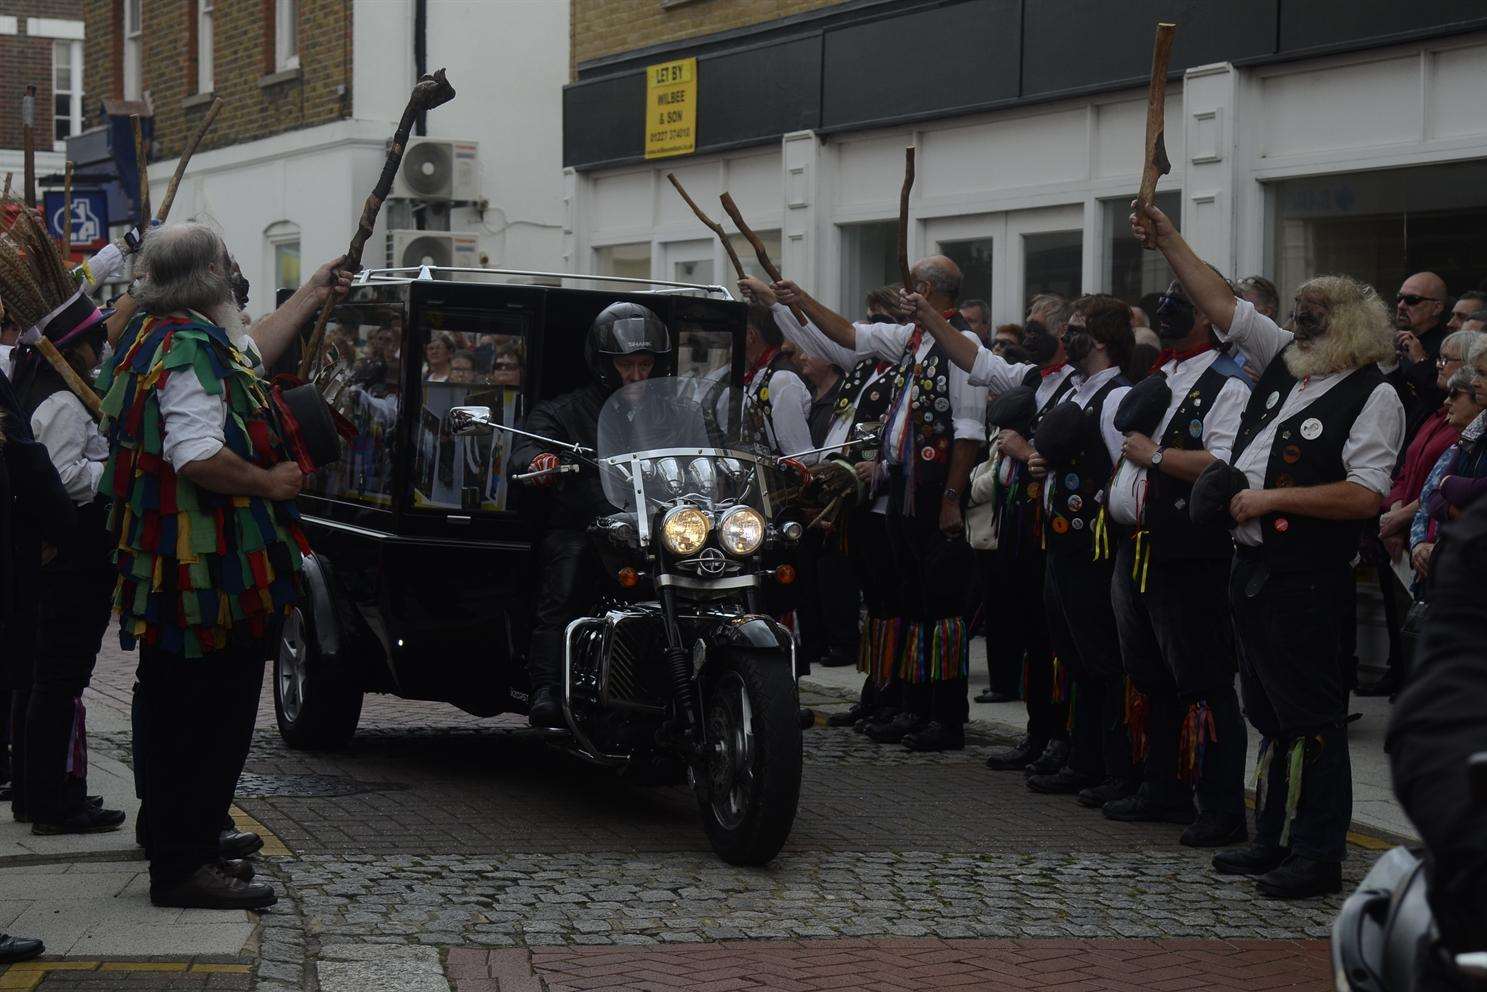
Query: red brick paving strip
{"points": [[907, 965]]}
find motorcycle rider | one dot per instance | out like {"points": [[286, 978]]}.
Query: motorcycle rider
{"points": [[627, 343]]}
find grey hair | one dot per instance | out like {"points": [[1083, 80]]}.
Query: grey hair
{"points": [[1056, 310], [1458, 341], [178, 261], [1477, 315], [1478, 347], [979, 304], [1263, 288], [1460, 381]]}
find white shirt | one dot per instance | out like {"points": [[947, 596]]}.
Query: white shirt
{"points": [[76, 448], [5, 350], [812, 340], [1372, 445], [788, 426], [1220, 427], [195, 419], [1084, 390]]}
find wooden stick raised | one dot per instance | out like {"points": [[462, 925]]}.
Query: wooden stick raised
{"points": [[429, 92], [903, 220], [710, 224], [28, 145], [1155, 164], [774, 273], [142, 162], [67, 210], [75, 382], [190, 149]]}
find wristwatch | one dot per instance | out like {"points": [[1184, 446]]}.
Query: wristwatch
{"points": [[951, 494], [1156, 456]]}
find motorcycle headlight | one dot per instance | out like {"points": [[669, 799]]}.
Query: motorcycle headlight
{"points": [[684, 530], [741, 531]]}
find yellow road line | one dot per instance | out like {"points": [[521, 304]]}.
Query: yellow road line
{"points": [[273, 847], [55, 966], [143, 966], [222, 969]]}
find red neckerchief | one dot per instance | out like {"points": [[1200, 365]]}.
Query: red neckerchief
{"points": [[1049, 370], [759, 364], [948, 314], [1174, 355]]}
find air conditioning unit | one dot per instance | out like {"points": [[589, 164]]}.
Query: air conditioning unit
{"points": [[407, 249], [439, 169]]}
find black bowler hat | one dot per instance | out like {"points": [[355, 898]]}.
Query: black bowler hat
{"points": [[1212, 492], [1014, 409], [1144, 405], [1060, 432]]}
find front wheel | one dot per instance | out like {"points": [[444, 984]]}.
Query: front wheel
{"points": [[316, 709], [749, 784]]}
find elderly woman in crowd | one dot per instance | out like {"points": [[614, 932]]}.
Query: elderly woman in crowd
{"points": [[1463, 465]]}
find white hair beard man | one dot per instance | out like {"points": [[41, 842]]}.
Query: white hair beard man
{"points": [[1317, 444], [208, 545]]}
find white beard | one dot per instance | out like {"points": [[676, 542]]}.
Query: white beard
{"points": [[1316, 356]]}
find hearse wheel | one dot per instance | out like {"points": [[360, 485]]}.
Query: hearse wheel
{"points": [[316, 709], [750, 784]]}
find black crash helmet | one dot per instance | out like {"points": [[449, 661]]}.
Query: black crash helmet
{"points": [[625, 329]]}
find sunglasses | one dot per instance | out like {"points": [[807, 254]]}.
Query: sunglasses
{"points": [[240, 289], [1169, 302], [1411, 300]]}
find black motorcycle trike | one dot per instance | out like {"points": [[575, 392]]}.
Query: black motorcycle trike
{"points": [[422, 571]]}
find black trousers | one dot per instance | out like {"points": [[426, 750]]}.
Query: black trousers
{"points": [[47, 719], [567, 584], [1081, 627], [829, 602], [1005, 644], [1020, 626], [935, 577], [1177, 643], [197, 718], [872, 566], [1295, 680]]}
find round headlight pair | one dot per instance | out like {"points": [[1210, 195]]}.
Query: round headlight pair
{"points": [[684, 530]]}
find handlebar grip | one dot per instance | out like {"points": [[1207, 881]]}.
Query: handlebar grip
{"points": [[567, 469]]}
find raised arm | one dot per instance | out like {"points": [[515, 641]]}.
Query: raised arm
{"points": [[836, 327], [961, 349], [1205, 287], [807, 337], [273, 332]]}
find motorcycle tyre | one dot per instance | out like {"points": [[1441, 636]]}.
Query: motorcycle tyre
{"points": [[777, 759]]}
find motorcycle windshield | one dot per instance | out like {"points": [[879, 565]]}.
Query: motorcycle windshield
{"points": [[642, 421]]}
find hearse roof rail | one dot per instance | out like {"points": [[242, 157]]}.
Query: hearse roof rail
{"points": [[425, 273]]}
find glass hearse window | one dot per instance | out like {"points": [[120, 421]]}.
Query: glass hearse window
{"points": [[357, 371], [471, 357], [706, 357]]}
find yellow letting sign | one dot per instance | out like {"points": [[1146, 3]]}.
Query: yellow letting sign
{"points": [[671, 108]]}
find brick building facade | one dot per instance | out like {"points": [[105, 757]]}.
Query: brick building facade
{"points": [[263, 95], [27, 58]]}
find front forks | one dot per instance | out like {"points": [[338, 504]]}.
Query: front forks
{"points": [[688, 722]]}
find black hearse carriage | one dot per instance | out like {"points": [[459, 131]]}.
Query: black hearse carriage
{"points": [[423, 567]]}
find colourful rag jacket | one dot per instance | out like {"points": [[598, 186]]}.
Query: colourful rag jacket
{"points": [[193, 565]]}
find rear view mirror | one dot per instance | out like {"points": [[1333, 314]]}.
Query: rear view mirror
{"points": [[471, 421]]}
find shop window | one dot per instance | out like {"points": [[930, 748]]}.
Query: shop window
{"points": [[1052, 262], [470, 358], [750, 258], [67, 91], [1130, 271], [357, 370], [974, 258], [1381, 227], [698, 270], [631, 261], [133, 83], [283, 249], [869, 260]]}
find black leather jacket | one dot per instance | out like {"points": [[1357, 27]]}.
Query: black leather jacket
{"points": [[573, 417]]}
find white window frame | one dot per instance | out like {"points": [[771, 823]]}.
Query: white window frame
{"points": [[75, 93], [205, 65], [279, 234], [133, 68], [286, 35]]}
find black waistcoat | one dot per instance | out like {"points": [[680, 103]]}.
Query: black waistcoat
{"points": [[1307, 452], [1078, 489], [863, 398], [1022, 498], [1165, 515]]}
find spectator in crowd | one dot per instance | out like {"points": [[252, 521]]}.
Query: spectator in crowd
{"points": [[1261, 294], [1139, 319], [462, 368], [437, 356], [1465, 480], [506, 367], [1463, 413], [1471, 302], [978, 315], [1420, 314], [1475, 321], [1006, 336]]}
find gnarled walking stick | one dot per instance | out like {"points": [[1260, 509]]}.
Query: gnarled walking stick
{"points": [[710, 224], [759, 252], [1156, 164], [142, 162], [75, 382], [429, 92], [903, 221], [175, 180]]}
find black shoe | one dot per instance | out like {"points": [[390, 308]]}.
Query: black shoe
{"points": [[936, 736], [1109, 791], [13, 949], [1055, 756], [807, 718], [1138, 809], [7, 791], [836, 659], [93, 802], [545, 710], [238, 868], [1064, 782], [1011, 759], [894, 730], [846, 718], [992, 696], [1256, 859], [1301, 878], [87, 820], [883, 714], [1216, 830], [1385, 686], [236, 844], [209, 888]]}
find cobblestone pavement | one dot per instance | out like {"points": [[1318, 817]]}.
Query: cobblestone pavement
{"points": [[441, 851]]}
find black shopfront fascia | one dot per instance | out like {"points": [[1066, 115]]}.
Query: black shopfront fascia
{"points": [[878, 63]]}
